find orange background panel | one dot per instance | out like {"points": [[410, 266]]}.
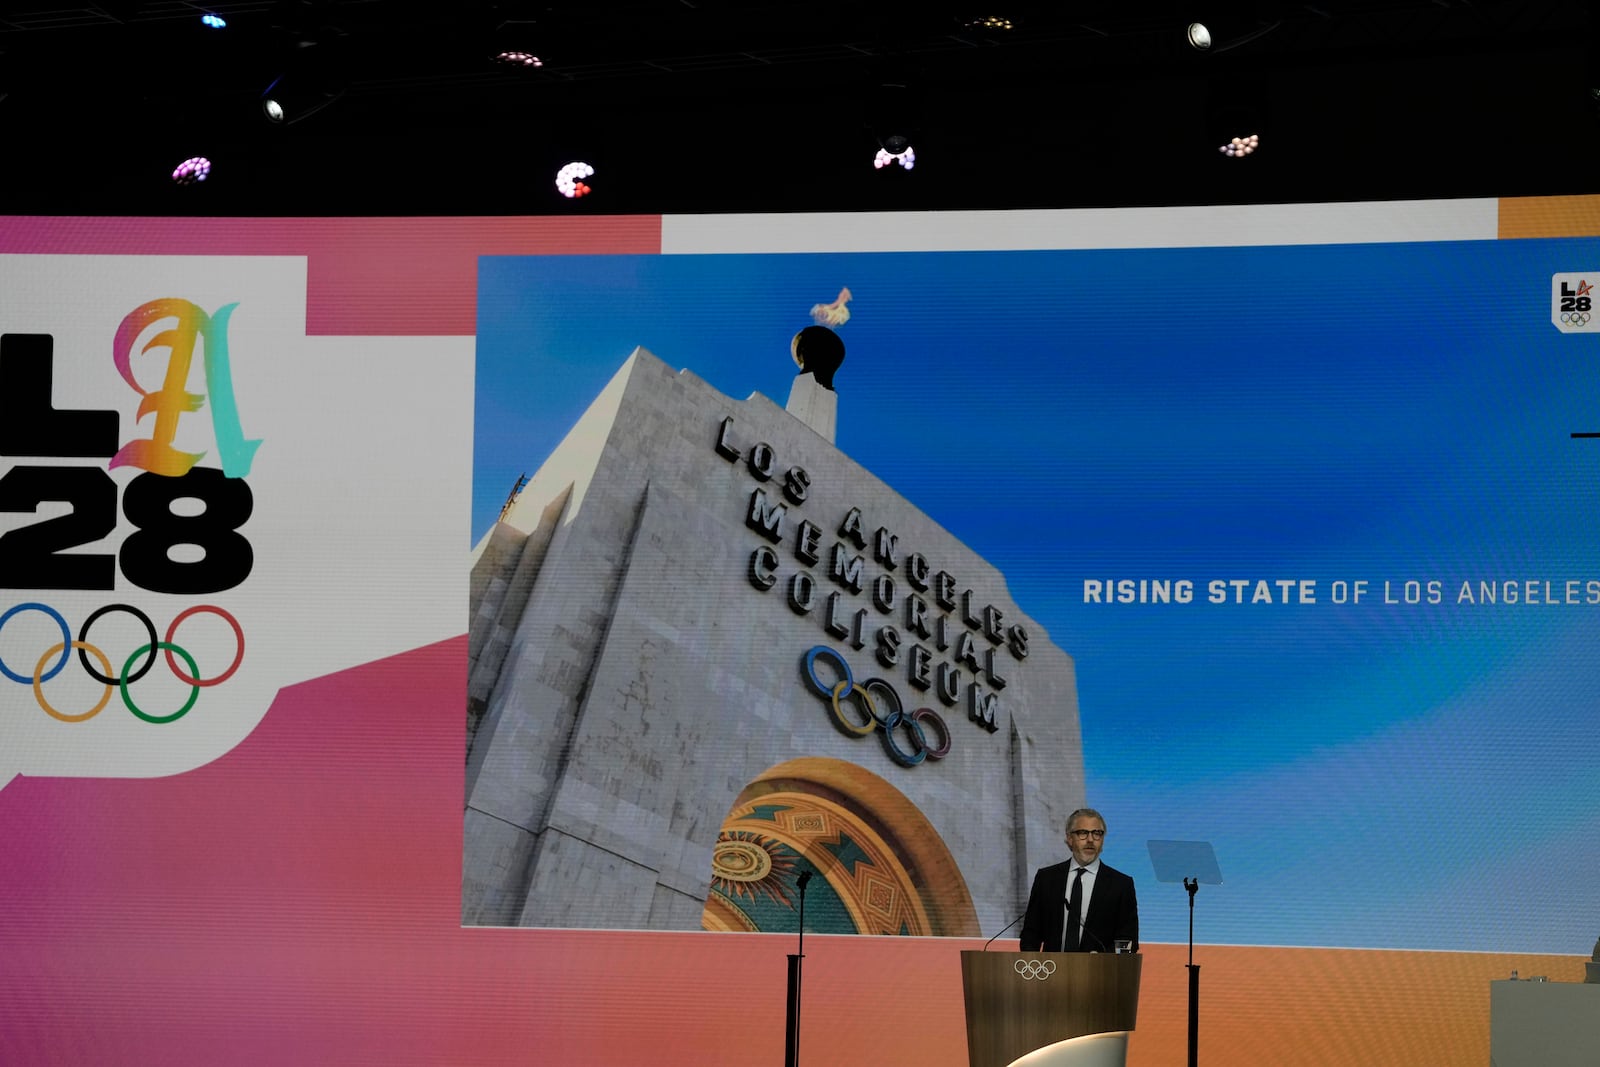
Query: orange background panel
{"points": [[1550, 216], [1299, 1007], [892, 1000]]}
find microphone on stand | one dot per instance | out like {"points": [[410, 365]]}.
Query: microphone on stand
{"points": [[1003, 929], [791, 1039], [1084, 931]]}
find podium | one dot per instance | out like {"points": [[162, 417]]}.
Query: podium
{"points": [[1543, 1024], [1019, 1001]]}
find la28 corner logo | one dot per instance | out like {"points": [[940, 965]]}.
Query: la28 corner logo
{"points": [[1572, 302], [186, 519]]}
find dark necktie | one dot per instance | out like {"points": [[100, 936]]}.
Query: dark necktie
{"points": [[1069, 943]]}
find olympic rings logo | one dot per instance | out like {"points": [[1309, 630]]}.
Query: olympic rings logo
{"points": [[1575, 318], [1031, 969], [120, 681], [916, 723]]}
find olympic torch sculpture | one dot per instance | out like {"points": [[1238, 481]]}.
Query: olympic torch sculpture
{"points": [[817, 350]]}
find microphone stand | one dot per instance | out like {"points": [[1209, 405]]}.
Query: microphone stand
{"points": [[1193, 886], [791, 1056], [1003, 929], [1189, 862]]}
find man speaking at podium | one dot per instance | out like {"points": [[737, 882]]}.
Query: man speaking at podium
{"points": [[1082, 905]]}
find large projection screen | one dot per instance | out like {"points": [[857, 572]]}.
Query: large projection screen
{"points": [[456, 631]]}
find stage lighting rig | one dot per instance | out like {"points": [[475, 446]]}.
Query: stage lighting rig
{"points": [[895, 149], [192, 170], [570, 180], [1240, 147], [519, 44]]}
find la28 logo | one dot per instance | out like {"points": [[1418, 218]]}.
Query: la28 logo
{"points": [[31, 427], [1577, 300]]}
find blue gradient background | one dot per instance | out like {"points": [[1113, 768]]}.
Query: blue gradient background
{"points": [[1371, 775]]}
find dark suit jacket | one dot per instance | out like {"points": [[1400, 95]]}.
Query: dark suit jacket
{"points": [[1113, 911]]}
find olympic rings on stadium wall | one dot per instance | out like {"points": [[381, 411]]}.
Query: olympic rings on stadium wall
{"points": [[917, 722], [1575, 318], [128, 675]]}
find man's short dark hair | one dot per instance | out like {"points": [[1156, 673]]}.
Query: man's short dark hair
{"points": [[1084, 813]]}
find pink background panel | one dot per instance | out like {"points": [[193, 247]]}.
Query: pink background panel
{"points": [[367, 277], [298, 901]]}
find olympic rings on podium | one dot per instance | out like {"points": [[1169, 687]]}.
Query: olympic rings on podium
{"points": [[1031, 969], [128, 675], [862, 694]]}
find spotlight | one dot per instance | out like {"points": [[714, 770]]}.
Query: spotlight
{"points": [[896, 149], [1233, 32], [518, 43], [216, 22], [1234, 103], [190, 171], [894, 117], [1240, 147], [287, 100], [569, 180]]}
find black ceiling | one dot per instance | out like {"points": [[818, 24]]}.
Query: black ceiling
{"points": [[738, 105]]}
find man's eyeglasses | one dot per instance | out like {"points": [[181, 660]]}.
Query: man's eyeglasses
{"points": [[1083, 834]]}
